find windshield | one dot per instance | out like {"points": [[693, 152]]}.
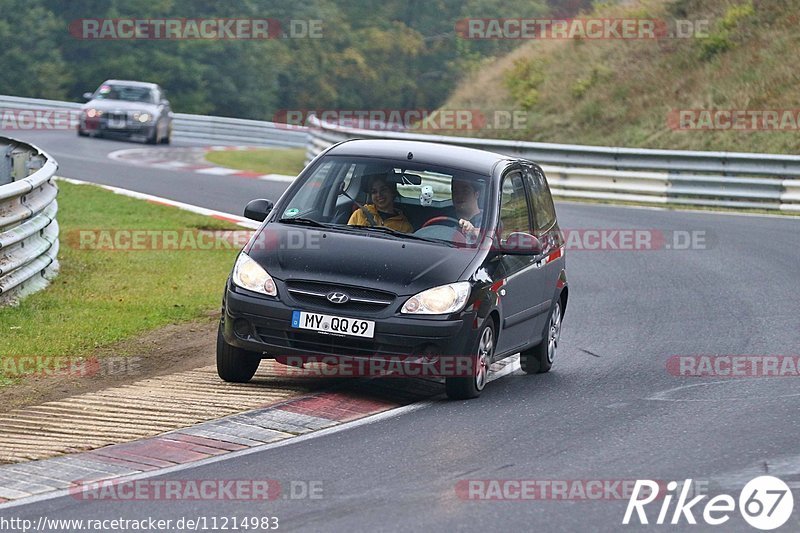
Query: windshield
{"points": [[125, 92], [398, 198]]}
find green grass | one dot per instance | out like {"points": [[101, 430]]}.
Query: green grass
{"points": [[289, 161], [100, 296], [621, 92]]}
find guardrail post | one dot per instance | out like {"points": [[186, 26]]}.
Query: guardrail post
{"points": [[19, 164], [5, 164]]}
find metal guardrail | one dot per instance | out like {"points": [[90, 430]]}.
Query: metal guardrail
{"points": [[28, 226], [720, 179], [717, 179], [186, 127]]}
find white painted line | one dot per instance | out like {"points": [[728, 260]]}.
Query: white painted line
{"points": [[217, 171], [123, 154], [173, 164], [509, 368], [682, 209], [236, 219]]}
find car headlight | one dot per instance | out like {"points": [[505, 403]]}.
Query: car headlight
{"points": [[142, 117], [91, 113], [438, 300], [249, 275]]}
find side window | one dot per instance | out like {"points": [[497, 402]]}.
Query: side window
{"points": [[513, 206], [308, 199], [544, 212]]}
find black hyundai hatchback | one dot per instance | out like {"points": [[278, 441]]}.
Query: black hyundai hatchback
{"points": [[384, 249]]}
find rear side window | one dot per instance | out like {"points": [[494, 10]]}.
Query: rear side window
{"points": [[544, 212], [513, 206]]}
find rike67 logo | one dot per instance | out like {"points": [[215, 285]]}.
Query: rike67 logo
{"points": [[765, 503]]}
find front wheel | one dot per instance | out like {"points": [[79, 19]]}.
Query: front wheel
{"points": [[152, 138], [463, 388], [540, 358], [168, 136], [234, 364]]}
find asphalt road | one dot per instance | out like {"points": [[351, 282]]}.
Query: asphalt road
{"points": [[609, 410], [87, 159]]}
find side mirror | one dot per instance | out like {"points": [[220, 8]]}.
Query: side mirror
{"points": [[521, 243], [164, 102], [258, 209], [87, 96]]}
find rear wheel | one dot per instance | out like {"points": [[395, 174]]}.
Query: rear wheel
{"points": [[540, 358], [463, 388], [234, 364]]}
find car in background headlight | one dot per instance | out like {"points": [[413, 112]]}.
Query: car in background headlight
{"points": [[131, 109]]}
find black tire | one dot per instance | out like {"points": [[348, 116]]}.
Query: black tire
{"points": [[153, 137], [235, 365], [168, 137], [540, 358], [82, 133], [464, 388]]}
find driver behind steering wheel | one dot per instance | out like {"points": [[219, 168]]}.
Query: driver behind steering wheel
{"points": [[465, 201]]}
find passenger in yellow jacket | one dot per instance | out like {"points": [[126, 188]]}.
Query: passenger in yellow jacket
{"points": [[382, 208]]}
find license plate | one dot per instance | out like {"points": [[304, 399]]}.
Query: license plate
{"points": [[333, 324], [116, 122]]}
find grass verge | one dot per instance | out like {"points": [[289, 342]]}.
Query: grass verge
{"points": [[289, 161], [104, 296]]}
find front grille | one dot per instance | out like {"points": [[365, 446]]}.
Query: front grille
{"points": [[117, 116], [361, 299]]}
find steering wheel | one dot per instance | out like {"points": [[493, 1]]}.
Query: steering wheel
{"points": [[442, 220]]}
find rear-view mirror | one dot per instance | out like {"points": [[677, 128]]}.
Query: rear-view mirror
{"points": [[409, 179]]}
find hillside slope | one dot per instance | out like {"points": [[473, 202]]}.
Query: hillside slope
{"points": [[623, 92]]}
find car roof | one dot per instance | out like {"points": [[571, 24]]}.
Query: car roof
{"points": [[445, 155], [131, 83]]}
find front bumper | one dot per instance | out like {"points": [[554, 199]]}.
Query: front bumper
{"points": [[263, 325], [100, 125]]}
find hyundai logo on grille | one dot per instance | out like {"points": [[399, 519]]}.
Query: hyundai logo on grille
{"points": [[338, 297]]}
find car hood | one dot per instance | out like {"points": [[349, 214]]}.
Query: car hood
{"points": [[401, 266], [121, 105]]}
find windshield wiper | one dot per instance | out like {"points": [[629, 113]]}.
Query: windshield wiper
{"points": [[305, 222], [390, 231]]}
